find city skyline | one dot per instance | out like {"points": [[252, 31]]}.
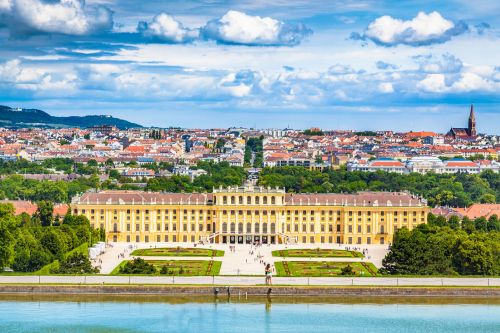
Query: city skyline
{"points": [[358, 65]]}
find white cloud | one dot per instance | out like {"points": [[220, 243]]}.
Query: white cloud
{"points": [[435, 83], [165, 27], [421, 30], [5, 5], [239, 28], [472, 82], [386, 87], [70, 17], [14, 74], [448, 63]]}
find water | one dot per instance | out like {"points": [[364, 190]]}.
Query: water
{"points": [[46, 314]]}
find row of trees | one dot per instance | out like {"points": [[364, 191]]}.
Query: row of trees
{"points": [[16, 187], [254, 146], [446, 247], [456, 190], [66, 165], [217, 174], [27, 243]]}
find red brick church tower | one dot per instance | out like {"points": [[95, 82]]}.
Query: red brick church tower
{"points": [[465, 133]]}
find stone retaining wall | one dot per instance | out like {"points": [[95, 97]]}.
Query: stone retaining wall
{"points": [[254, 290]]}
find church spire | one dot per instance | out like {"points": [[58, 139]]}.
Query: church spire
{"points": [[472, 122]]}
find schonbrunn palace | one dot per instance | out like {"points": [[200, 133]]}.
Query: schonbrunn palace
{"points": [[239, 215]]}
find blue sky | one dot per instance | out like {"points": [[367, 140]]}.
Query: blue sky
{"points": [[401, 65]]}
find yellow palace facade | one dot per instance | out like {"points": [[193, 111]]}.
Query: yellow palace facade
{"points": [[243, 215]]}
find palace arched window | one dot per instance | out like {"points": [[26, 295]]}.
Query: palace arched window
{"points": [[240, 200], [233, 227], [249, 227], [273, 228], [257, 200], [273, 200], [240, 227], [264, 201], [264, 228], [256, 227], [232, 201], [249, 200], [224, 227]]}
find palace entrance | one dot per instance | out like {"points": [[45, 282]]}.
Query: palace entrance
{"points": [[248, 239]]}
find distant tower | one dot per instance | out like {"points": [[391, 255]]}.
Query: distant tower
{"points": [[472, 122]]}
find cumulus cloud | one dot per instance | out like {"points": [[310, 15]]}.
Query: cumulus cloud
{"points": [[385, 65], [239, 28], [5, 6], [13, 74], [386, 87], [71, 17], [448, 63], [424, 29], [166, 28]]}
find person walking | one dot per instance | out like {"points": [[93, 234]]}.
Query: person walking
{"points": [[269, 273]]}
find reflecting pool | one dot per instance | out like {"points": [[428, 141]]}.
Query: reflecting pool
{"points": [[200, 315]]}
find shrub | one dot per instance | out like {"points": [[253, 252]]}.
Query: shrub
{"points": [[138, 266]]}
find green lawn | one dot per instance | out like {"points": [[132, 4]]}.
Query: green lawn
{"points": [[178, 252], [189, 267], [317, 253], [45, 270], [322, 268]]}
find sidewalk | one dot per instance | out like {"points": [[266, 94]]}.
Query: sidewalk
{"points": [[249, 281]]}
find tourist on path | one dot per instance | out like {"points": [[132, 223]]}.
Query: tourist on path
{"points": [[269, 273]]}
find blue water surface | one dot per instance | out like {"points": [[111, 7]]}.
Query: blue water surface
{"points": [[67, 316]]}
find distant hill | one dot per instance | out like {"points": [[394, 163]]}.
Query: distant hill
{"points": [[10, 117]]}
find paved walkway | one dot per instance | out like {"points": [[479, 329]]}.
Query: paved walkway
{"points": [[249, 280], [244, 260]]}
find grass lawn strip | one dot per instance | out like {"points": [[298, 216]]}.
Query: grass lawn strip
{"points": [[322, 268], [317, 253], [178, 252], [189, 267]]}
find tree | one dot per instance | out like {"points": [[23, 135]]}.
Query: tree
{"points": [[347, 270], [487, 198], [473, 258], [44, 213], [6, 240], [454, 222], [53, 242], [138, 266], [480, 223], [468, 225], [109, 163], [493, 223], [76, 263]]}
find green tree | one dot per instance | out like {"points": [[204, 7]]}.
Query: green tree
{"points": [[473, 258], [487, 198], [76, 263], [137, 266], [45, 212]]}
